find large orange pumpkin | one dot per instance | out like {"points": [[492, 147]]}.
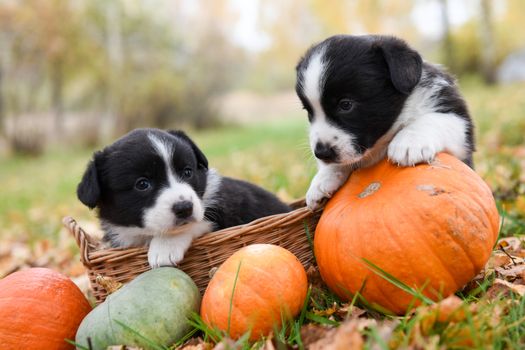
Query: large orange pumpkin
{"points": [[39, 309], [431, 226], [270, 284]]}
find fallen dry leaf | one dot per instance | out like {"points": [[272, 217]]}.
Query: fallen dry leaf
{"points": [[347, 311], [459, 325], [227, 344], [385, 332], [478, 332], [272, 344], [417, 341], [504, 288], [451, 309], [314, 276], [478, 280], [506, 263], [498, 259], [17, 254], [13, 257], [513, 244], [268, 345], [326, 312], [311, 333], [345, 337], [203, 346], [510, 272], [195, 344], [108, 283]]}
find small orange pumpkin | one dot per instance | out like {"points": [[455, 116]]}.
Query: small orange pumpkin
{"points": [[431, 226], [270, 284], [39, 309]]}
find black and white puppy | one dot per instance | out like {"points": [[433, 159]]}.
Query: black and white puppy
{"points": [[151, 181], [371, 96]]}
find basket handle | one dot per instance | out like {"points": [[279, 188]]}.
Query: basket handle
{"points": [[83, 240]]}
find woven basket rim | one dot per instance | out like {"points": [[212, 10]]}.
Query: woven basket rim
{"points": [[89, 245], [293, 230]]}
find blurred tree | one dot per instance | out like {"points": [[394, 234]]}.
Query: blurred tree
{"points": [[364, 17], [210, 64], [165, 78], [45, 42], [312, 22], [483, 42], [2, 103], [114, 51], [208, 77], [52, 26], [488, 65], [383, 17], [448, 47], [505, 28], [126, 62], [291, 27], [102, 27], [5, 52]]}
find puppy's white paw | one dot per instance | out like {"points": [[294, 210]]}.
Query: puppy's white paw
{"points": [[314, 198], [409, 148], [323, 186], [166, 251]]}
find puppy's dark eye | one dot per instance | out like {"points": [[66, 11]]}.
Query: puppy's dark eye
{"points": [[187, 172], [345, 105], [142, 184]]}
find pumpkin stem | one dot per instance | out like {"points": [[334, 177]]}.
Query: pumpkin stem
{"points": [[108, 283]]}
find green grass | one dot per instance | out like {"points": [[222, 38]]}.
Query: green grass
{"points": [[417, 294], [274, 155], [231, 297], [499, 116], [37, 192]]}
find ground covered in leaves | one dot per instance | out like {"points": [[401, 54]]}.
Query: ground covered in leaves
{"points": [[488, 313]]}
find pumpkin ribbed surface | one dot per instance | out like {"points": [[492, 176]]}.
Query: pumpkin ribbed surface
{"points": [[270, 282], [39, 309], [431, 226]]}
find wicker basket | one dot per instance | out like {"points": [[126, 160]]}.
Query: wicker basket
{"points": [[290, 230]]}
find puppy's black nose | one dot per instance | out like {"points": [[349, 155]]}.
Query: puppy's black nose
{"points": [[183, 209], [325, 152]]}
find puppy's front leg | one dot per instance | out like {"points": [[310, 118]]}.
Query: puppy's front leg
{"points": [[169, 250], [329, 178], [429, 134]]}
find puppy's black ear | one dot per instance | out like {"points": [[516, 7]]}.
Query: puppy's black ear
{"points": [[201, 158], [404, 63], [88, 190]]}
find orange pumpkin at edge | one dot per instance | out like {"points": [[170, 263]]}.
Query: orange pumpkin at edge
{"points": [[271, 281], [431, 226], [39, 309]]}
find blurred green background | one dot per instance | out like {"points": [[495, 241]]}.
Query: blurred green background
{"points": [[74, 75]]}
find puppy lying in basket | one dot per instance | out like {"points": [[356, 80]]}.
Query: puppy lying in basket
{"points": [[153, 187]]}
